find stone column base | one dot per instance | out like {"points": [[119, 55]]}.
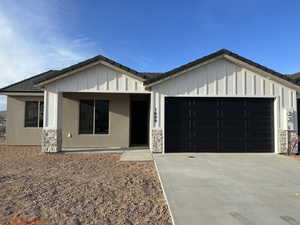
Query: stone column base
{"points": [[51, 140], [157, 140], [286, 137], [283, 141]]}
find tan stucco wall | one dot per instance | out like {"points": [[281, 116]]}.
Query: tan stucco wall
{"points": [[119, 111], [16, 133]]}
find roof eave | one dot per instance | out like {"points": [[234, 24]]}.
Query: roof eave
{"points": [[22, 93]]}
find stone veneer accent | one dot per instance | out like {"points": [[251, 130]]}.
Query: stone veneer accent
{"points": [[283, 140], [157, 140], [51, 140]]}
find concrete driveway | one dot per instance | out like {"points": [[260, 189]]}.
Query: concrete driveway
{"points": [[233, 189]]}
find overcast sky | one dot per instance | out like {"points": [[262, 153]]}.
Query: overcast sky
{"points": [[155, 36]]}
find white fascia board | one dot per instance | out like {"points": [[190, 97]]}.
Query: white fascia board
{"points": [[21, 94]]}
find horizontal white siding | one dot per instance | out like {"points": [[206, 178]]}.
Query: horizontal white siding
{"points": [[222, 78], [98, 79]]}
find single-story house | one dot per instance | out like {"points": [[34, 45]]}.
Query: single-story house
{"points": [[222, 102]]}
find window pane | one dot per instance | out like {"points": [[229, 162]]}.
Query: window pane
{"points": [[86, 116], [101, 116], [31, 114], [41, 114]]}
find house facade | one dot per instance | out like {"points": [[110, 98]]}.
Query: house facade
{"points": [[219, 103]]}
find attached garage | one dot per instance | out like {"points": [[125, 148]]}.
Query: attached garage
{"points": [[219, 124], [222, 103]]}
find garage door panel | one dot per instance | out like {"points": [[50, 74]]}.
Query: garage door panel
{"points": [[232, 135], [230, 125], [218, 125]]}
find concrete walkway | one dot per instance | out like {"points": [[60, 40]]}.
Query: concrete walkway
{"points": [[231, 189], [137, 155]]}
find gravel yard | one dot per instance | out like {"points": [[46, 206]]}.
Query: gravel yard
{"points": [[78, 189]]}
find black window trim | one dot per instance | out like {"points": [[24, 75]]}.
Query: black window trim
{"points": [[39, 114], [94, 117]]}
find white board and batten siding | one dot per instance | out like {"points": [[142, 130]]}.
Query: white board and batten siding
{"points": [[222, 78], [98, 78]]}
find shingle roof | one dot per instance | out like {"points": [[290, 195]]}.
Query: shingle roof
{"points": [[209, 57], [27, 85], [148, 75]]}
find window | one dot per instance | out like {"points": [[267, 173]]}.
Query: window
{"points": [[101, 117], [94, 117], [34, 113]]}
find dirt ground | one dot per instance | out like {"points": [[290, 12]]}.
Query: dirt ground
{"points": [[78, 189]]}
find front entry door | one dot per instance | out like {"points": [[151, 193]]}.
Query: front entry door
{"points": [[139, 123]]}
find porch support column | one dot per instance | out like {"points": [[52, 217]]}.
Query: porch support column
{"points": [[52, 130], [157, 137]]}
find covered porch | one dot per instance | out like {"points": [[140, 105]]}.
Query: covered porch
{"points": [[98, 104], [94, 121]]}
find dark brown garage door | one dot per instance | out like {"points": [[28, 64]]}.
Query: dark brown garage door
{"points": [[218, 125]]}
